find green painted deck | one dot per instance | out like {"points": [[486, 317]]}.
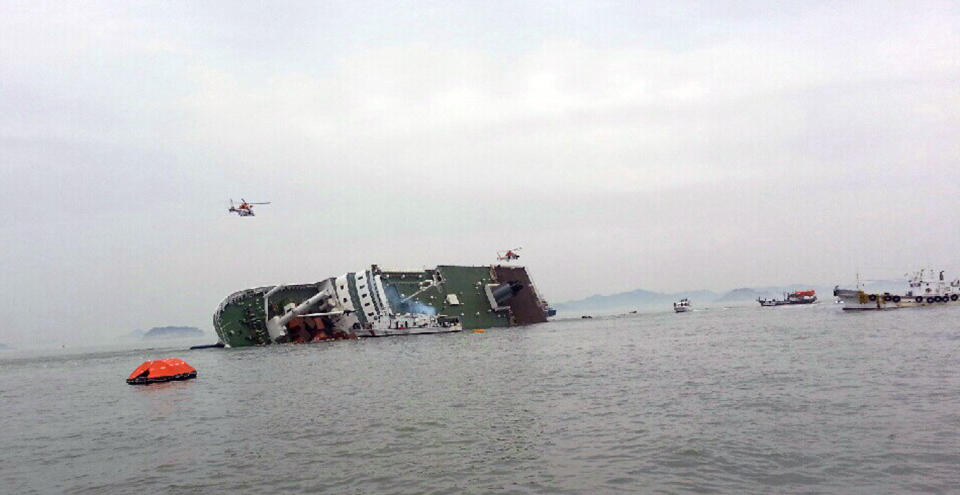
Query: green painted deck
{"points": [[241, 322], [237, 325], [468, 283]]}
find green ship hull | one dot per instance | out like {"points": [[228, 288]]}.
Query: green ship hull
{"points": [[376, 302]]}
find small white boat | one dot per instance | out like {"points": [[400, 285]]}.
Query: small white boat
{"points": [[681, 306]]}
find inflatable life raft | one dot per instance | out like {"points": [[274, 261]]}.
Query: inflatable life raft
{"points": [[162, 370]]}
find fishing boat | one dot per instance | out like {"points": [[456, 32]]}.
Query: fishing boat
{"points": [[796, 297], [681, 306], [920, 292]]}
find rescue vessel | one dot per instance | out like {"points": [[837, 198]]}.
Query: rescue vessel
{"points": [[920, 292], [796, 297], [375, 302]]}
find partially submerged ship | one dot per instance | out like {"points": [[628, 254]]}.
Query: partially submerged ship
{"points": [[796, 297], [920, 292], [377, 303]]}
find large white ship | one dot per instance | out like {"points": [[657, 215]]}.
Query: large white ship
{"points": [[920, 293]]}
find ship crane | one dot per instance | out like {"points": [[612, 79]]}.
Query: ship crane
{"points": [[276, 326]]}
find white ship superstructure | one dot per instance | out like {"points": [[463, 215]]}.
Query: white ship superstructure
{"points": [[920, 292], [681, 306]]}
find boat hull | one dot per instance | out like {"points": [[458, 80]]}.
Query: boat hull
{"points": [[780, 302], [861, 301]]}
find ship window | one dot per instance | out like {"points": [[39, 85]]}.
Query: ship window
{"points": [[365, 295], [367, 304], [369, 314], [362, 286], [344, 299]]}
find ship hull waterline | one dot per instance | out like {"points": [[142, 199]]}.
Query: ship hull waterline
{"points": [[878, 302]]}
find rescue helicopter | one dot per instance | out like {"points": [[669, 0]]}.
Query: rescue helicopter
{"points": [[508, 255], [245, 209]]}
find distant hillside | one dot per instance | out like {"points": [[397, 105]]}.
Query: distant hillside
{"points": [[752, 293], [172, 332], [742, 294], [5, 347], [641, 298], [634, 299]]}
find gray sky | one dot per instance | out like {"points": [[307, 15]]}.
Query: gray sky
{"points": [[668, 146]]}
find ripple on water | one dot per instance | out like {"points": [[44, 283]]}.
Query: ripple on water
{"points": [[716, 401]]}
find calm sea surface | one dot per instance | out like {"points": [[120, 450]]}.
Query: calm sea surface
{"points": [[774, 400]]}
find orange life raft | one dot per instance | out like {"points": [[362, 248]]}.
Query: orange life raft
{"points": [[162, 370]]}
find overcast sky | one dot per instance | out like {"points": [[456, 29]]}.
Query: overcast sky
{"points": [[658, 145]]}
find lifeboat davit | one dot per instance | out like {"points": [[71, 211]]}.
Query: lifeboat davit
{"points": [[161, 370]]}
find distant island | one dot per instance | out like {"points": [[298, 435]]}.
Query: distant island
{"points": [[5, 347], [641, 298], [743, 294], [171, 332]]}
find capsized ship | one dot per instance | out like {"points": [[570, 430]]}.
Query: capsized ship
{"points": [[921, 292], [377, 303]]}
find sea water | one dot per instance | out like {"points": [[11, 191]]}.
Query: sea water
{"points": [[801, 399]]}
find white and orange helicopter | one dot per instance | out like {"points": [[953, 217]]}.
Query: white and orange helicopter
{"points": [[508, 255], [245, 209]]}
